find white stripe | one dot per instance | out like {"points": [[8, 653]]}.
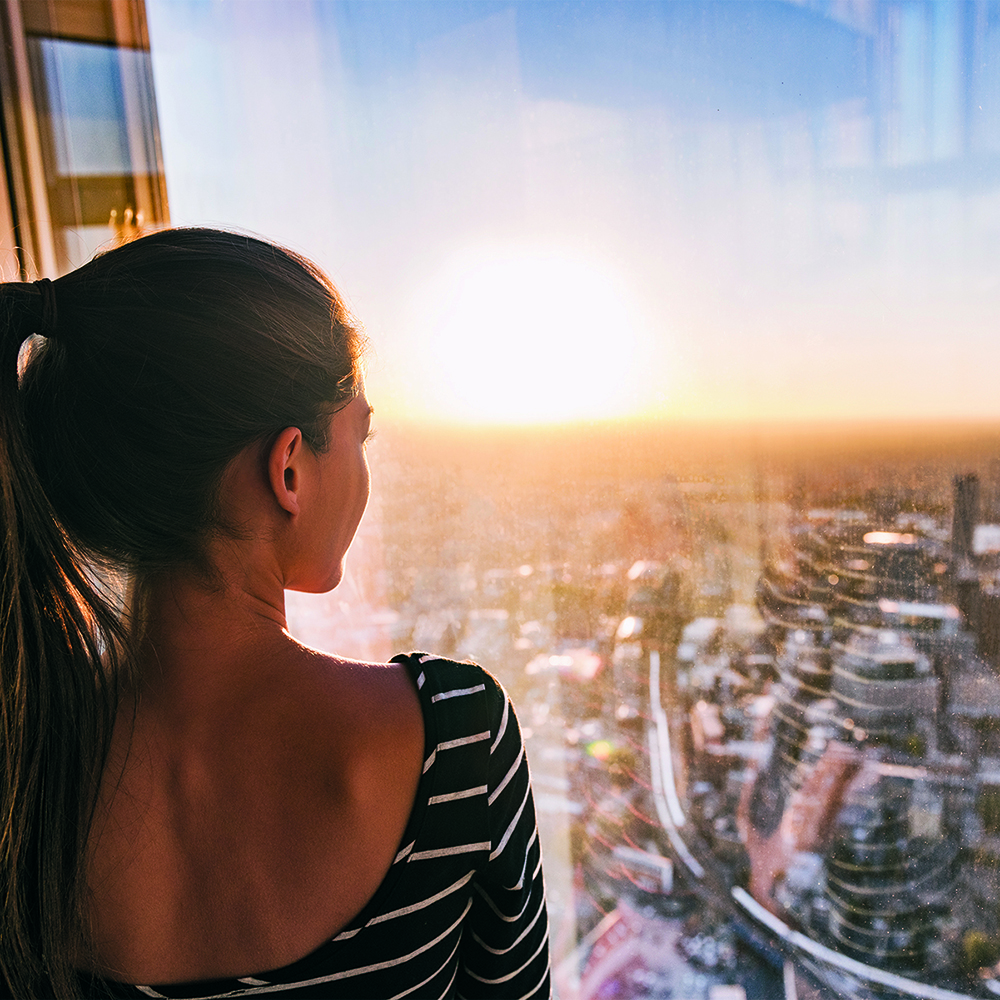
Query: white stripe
{"points": [[347, 935], [446, 852], [402, 854], [466, 793], [360, 971], [513, 823], [149, 991], [511, 975], [503, 725], [250, 981], [413, 907], [447, 989], [437, 972], [463, 741], [518, 939], [430, 760], [519, 884], [507, 777], [533, 992], [421, 679], [427, 658], [494, 908], [457, 693]]}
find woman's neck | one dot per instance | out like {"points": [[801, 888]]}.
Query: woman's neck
{"points": [[206, 643]]}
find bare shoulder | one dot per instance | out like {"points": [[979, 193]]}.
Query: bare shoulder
{"points": [[391, 679], [324, 753], [381, 690], [372, 708]]}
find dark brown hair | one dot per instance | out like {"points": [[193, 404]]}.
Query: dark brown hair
{"points": [[168, 356]]}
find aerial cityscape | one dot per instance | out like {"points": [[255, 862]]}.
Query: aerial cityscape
{"points": [[760, 694], [757, 666]]}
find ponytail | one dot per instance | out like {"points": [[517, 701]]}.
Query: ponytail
{"points": [[61, 640]]}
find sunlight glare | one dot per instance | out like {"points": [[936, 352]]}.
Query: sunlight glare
{"points": [[521, 336]]}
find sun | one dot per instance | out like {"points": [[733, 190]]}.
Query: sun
{"points": [[525, 336]]}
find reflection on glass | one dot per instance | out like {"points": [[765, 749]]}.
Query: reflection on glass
{"points": [[84, 91], [98, 140]]}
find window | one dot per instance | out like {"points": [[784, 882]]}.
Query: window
{"points": [[82, 161], [687, 380], [97, 129]]}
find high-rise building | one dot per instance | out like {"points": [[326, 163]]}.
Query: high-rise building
{"points": [[966, 514], [81, 160]]}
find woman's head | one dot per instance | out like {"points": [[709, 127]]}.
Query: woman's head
{"points": [[161, 361], [170, 355]]}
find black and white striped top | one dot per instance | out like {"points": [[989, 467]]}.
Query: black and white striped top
{"points": [[461, 912]]}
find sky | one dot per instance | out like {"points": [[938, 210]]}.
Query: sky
{"points": [[556, 211]]}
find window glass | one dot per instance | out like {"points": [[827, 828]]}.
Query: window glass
{"points": [[84, 91], [685, 378], [98, 140]]}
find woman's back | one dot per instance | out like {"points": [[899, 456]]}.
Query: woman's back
{"points": [[242, 841], [461, 911]]}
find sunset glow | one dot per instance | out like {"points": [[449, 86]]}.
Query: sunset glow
{"points": [[530, 336], [487, 183]]}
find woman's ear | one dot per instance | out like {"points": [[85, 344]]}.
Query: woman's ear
{"points": [[284, 468]]}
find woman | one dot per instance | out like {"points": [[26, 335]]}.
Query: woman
{"points": [[191, 797]]}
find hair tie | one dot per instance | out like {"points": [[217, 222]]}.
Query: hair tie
{"points": [[49, 313]]}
